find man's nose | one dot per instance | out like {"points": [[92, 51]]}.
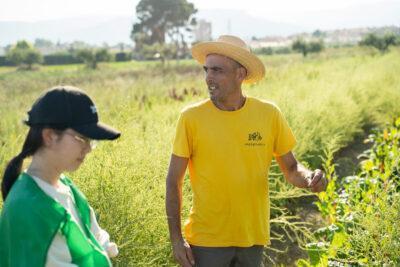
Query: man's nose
{"points": [[209, 76]]}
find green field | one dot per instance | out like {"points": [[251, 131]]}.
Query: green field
{"points": [[328, 100]]}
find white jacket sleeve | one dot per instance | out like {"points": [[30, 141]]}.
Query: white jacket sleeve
{"points": [[102, 236], [58, 254]]}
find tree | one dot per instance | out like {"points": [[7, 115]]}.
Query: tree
{"points": [[315, 46], [318, 34], [380, 43], [310, 47], [300, 46], [159, 19], [92, 57], [24, 55]]}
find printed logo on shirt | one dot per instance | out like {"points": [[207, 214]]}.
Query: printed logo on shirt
{"points": [[254, 139]]}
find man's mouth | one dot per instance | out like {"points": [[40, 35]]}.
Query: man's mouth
{"points": [[212, 88]]}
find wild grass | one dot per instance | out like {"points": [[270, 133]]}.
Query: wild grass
{"points": [[329, 96]]}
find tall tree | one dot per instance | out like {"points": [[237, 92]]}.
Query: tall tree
{"points": [[158, 19]]}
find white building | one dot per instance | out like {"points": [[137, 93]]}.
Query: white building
{"points": [[202, 31]]}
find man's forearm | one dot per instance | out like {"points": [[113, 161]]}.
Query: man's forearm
{"points": [[173, 207], [299, 176]]}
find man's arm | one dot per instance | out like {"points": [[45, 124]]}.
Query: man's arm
{"points": [[173, 204], [299, 176]]}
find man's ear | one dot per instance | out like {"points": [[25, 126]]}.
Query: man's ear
{"points": [[48, 136], [242, 73]]}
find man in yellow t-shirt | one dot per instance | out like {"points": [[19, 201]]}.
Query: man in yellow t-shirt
{"points": [[228, 142]]}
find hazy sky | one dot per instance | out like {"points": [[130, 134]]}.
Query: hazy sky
{"points": [[282, 10]]}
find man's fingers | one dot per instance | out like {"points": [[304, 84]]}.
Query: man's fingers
{"points": [[317, 176], [183, 254], [183, 260], [320, 186], [189, 255]]}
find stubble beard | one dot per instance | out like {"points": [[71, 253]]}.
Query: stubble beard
{"points": [[214, 93]]}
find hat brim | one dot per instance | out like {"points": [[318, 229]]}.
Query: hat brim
{"points": [[97, 131], [254, 66]]}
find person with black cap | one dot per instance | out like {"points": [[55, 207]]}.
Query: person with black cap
{"points": [[46, 220]]}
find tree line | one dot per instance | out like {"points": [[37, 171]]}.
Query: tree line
{"points": [[26, 56], [381, 43], [163, 31]]}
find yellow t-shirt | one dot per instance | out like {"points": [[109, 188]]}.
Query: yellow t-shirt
{"points": [[229, 157]]}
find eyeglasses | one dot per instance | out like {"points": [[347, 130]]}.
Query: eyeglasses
{"points": [[84, 140]]}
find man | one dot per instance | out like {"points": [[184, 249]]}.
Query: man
{"points": [[228, 142]]}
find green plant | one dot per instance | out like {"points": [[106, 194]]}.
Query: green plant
{"points": [[334, 94], [365, 209], [24, 55]]}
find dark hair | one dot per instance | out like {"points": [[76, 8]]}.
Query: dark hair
{"points": [[32, 143]]}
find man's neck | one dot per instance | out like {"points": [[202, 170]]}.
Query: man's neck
{"points": [[231, 104]]}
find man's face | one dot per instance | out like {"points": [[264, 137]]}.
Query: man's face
{"points": [[223, 76]]}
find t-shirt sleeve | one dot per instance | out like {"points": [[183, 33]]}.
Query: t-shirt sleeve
{"points": [[182, 145], [284, 138]]}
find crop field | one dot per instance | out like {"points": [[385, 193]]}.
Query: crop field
{"points": [[329, 99]]}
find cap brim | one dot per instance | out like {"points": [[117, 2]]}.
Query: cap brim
{"points": [[97, 131]]}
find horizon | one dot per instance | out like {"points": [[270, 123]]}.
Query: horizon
{"points": [[104, 23]]}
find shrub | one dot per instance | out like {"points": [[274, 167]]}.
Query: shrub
{"points": [[24, 55], [61, 59]]}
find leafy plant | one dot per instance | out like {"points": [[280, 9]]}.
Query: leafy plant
{"points": [[363, 211]]}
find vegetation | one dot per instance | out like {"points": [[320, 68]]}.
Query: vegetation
{"points": [[159, 20], [271, 51], [24, 55], [307, 47], [381, 43], [363, 210], [329, 97], [93, 56]]}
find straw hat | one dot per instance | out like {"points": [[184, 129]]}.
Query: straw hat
{"points": [[235, 48]]}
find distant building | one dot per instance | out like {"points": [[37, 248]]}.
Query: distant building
{"points": [[331, 38], [202, 31], [270, 41]]}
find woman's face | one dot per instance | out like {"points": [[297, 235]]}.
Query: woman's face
{"points": [[70, 150]]}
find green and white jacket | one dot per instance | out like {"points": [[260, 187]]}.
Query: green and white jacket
{"points": [[31, 221]]}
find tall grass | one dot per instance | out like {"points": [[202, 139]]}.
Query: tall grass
{"points": [[333, 95]]}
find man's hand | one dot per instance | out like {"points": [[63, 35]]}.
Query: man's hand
{"points": [[299, 176], [317, 181], [183, 253]]}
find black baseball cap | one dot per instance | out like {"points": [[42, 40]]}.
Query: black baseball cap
{"points": [[70, 107]]}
